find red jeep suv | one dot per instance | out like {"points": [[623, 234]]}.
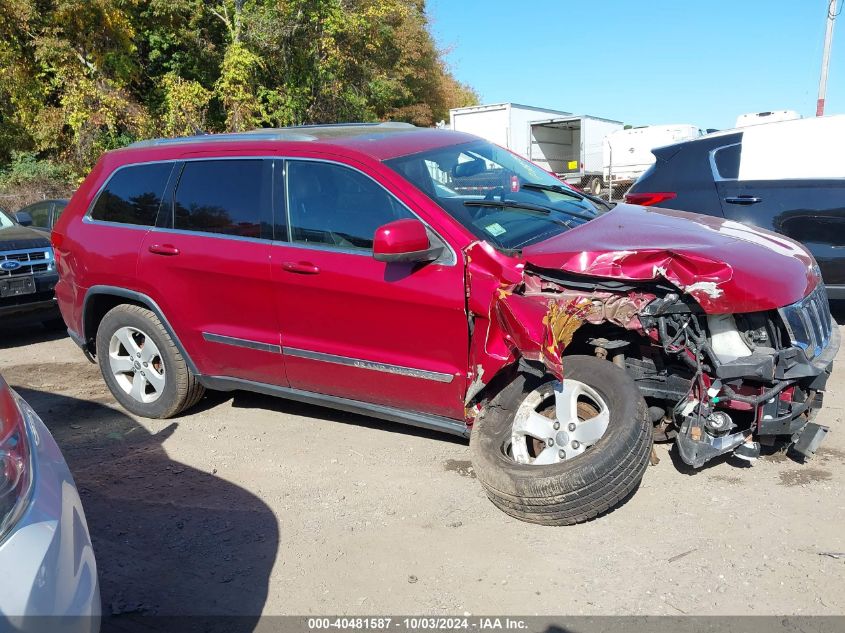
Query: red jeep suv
{"points": [[432, 278]]}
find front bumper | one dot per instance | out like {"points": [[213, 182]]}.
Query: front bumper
{"points": [[49, 575], [787, 414], [38, 306]]}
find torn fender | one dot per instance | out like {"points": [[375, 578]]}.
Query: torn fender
{"points": [[515, 314]]}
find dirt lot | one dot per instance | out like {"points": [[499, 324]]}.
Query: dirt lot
{"points": [[252, 504]]}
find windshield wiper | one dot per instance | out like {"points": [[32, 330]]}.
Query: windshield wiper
{"points": [[504, 204], [556, 188]]}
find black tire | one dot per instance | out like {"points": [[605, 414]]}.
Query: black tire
{"points": [[577, 489], [595, 186], [181, 388]]}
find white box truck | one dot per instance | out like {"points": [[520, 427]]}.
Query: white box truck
{"points": [[627, 153], [566, 144], [505, 124], [571, 147]]}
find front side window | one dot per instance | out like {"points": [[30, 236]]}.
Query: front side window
{"points": [[501, 198], [5, 221], [133, 194], [229, 197], [335, 206]]}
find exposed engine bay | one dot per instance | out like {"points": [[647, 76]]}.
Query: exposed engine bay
{"points": [[714, 383]]}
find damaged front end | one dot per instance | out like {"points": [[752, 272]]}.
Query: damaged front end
{"points": [[715, 381]]}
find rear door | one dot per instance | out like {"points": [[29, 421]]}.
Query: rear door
{"points": [[810, 211], [207, 265]]}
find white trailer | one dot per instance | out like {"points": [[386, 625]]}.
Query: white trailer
{"points": [[560, 142], [627, 153], [505, 124], [571, 147], [756, 118]]}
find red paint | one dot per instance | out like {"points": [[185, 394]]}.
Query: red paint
{"points": [[738, 268], [468, 319]]}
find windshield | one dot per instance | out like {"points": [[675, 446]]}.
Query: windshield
{"points": [[498, 196], [5, 221]]}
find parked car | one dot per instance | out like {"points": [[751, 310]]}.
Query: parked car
{"points": [[45, 549], [43, 214], [353, 266], [27, 275], [627, 154], [787, 177]]}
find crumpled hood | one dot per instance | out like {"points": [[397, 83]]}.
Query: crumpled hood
{"points": [[726, 266]]}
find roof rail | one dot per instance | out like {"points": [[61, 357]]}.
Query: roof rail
{"points": [[293, 133], [280, 134], [382, 124]]}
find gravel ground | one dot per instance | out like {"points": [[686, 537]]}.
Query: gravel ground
{"points": [[252, 505]]}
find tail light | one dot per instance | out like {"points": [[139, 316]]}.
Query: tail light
{"points": [[15, 458], [649, 199]]}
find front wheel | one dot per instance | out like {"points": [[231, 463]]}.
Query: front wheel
{"points": [[142, 366], [559, 453]]}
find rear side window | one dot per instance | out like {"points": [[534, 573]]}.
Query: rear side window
{"points": [[727, 161], [229, 197], [133, 194]]}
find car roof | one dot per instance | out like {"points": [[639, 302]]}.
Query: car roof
{"points": [[381, 141]]}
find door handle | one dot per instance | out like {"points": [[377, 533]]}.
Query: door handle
{"points": [[303, 268], [743, 200], [164, 249]]}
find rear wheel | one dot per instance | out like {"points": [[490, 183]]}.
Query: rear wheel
{"points": [[595, 186], [142, 366], [562, 453]]}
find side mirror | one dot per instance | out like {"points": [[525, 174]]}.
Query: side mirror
{"points": [[23, 218], [404, 241]]}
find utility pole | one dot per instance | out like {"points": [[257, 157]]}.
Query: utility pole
{"points": [[828, 39]]}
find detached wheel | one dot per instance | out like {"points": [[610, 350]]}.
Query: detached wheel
{"points": [[562, 453], [142, 366]]}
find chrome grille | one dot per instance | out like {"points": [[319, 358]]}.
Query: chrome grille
{"points": [[29, 262], [808, 322]]}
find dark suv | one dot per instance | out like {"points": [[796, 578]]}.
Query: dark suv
{"points": [[788, 177], [27, 275], [432, 278]]}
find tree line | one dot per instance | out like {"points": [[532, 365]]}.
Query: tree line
{"points": [[79, 77]]}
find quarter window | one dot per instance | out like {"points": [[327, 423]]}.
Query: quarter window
{"points": [[336, 206], [230, 197], [133, 194], [727, 161]]}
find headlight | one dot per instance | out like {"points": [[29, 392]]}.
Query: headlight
{"points": [[15, 458]]}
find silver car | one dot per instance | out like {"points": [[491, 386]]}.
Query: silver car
{"points": [[48, 576]]}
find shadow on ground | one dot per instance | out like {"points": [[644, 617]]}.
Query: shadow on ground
{"points": [[170, 540], [21, 336], [250, 400]]}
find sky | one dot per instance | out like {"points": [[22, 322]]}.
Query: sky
{"points": [[644, 62]]}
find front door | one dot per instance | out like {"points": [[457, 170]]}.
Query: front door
{"points": [[392, 334]]}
